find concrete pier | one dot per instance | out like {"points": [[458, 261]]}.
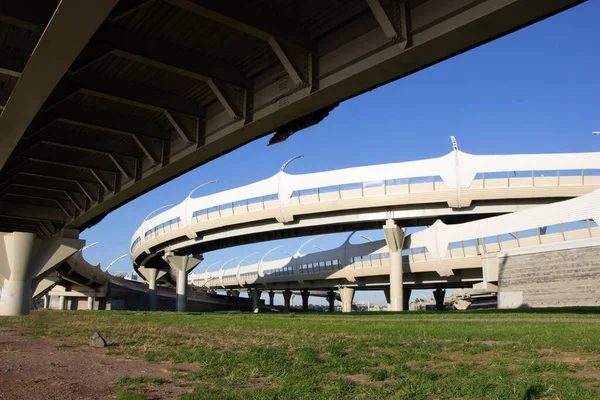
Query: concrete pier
{"points": [[28, 256], [439, 295], [271, 298], [181, 266], [394, 237], [347, 294], [255, 294], [152, 273], [331, 300], [287, 296], [305, 295]]}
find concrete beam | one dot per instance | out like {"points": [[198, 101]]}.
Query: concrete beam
{"points": [[72, 25], [244, 18]]}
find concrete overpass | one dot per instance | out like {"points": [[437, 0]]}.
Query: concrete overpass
{"points": [[473, 256], [462, 187], [103, 101], [457, 187]]}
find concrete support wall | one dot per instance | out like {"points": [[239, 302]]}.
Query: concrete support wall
{"points": [[551, 276], [25, 257]]}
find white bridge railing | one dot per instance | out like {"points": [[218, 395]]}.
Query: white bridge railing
{"points": [[456, 172]]}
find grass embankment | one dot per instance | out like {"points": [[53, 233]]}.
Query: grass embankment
{"points": [[321, 356]]}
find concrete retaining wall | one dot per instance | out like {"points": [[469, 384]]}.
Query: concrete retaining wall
{"points": [[550, 276]]}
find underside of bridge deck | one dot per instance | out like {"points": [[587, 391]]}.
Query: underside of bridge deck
{"points": [[102, 101]]}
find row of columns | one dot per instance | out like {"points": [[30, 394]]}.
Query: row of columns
{"points": [[396, 295], [62, 302]]}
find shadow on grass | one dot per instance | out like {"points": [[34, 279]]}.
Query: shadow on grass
{"points": [[533, 392]]}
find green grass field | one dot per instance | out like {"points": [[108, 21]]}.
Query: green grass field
{"points": [[528, 354]]}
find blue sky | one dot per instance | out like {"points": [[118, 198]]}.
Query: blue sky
{"points": [[534, 91]]}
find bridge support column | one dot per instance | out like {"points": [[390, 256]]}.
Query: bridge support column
{"points": [[181, 266], [287, 296], [61, 302], [386, 292], [255, 295], [271, 298], [439, 295], [347, 294], [46, 302], [305, 295], [91, 303], [331, 300], [28, 257], [406, 298], [394, 236], [152, 274]]}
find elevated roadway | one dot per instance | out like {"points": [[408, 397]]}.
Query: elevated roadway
{"points": [[472, 257], [454, 188], [102, 101]]}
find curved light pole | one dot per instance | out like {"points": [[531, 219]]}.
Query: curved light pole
{"points": [[200, 186], [366, 238], [263, 259], [209, 277], [186, 201], [237, 270], [114, 261], [159, 208], [225, 263], [304, 244], [88, 246], [280, 175]]}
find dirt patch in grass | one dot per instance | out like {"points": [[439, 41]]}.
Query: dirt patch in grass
{"points": [[570, 357], [360, 379], [256, 383], [442, 364], [67, 368]]}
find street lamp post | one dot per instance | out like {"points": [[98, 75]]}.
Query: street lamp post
{"points": [[114, 261], [366, 238]]}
